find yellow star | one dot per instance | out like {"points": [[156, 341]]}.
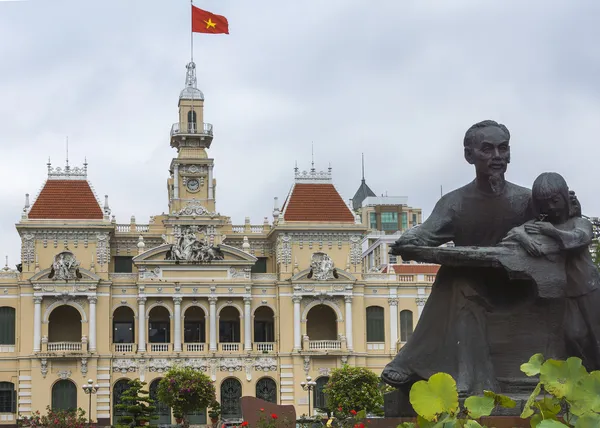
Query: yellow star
{"points": [[210, 24]]}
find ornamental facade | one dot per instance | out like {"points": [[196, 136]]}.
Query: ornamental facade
{"points": [[257, 307]]}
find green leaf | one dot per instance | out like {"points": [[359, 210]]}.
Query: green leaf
{"points": [[591, 420], [527, 409], [472, 424], [501, 400], [533, 366], [436, 396], [407, 425], [550, 423], [560, 378], [549, 407], [362, 414], [585, 397], [479, 406], [535, 420]]}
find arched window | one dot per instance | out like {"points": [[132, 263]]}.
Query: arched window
{"points": [[321, 323], [191, 118], [159, 325], [319, 398], [7, 325], [375, 324], [406, 325], [162, 410], [231, 399], [123, 325], [64, 395], [118, 389], [8, 398], [266, 389], [264, 326], [229, 325]]}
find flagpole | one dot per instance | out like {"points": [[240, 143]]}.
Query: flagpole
{"points": [[191, 32]]}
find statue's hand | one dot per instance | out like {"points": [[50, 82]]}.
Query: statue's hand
{"points": [[533, 247], [540, 227]]}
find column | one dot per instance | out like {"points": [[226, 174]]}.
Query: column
{"points": [[177, 331], [210, 182], [141, 324], [176, 181], [393, 324], [37, 324], [420, 301], [349, 342], [297, 327], [247, 324], [92, 323], [213, 323]]}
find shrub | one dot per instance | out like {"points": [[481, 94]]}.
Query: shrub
{"points": [[137, 404], [354, 389], [55, 419]]}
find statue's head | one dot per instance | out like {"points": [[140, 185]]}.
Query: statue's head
{"points": [[487, 147], [550, 197]]}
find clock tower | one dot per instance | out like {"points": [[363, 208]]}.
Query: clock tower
{"points": [[191, 182]]}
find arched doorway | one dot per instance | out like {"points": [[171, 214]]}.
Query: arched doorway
{"points": [[118, 389], [123, 325], [231, 399], [319, 398], [64, 395], [321, 323], [194, 328], [266, 389], [229, 325], [264, 325], [159, 325], [162, 410], [64, 325]]}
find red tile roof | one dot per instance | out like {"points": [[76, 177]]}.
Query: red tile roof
{"points": [[414, 268], [66, 199], [316, 202]]}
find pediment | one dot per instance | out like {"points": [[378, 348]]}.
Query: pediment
{"points": [[86, 277], [160, 256], [342, 276]]}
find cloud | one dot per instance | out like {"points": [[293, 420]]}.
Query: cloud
{"points": [[399, 81]]}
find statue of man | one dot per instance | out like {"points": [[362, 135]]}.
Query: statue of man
{"points": [[451, 335]]}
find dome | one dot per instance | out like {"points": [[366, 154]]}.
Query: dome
{"points": [[191, 93]]}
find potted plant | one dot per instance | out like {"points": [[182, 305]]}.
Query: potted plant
{"points": [[215, 412]]}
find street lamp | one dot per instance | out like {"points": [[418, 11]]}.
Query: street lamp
{"points": [[309, 385], [90, 389]]}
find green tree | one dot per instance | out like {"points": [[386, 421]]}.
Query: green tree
{"points": [[354, 389], [186, 390], [137, 404]]}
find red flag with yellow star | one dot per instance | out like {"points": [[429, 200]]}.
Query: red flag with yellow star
{"points": [[206, 22]]}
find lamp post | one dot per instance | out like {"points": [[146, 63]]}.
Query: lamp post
{"points": [[90, 389], [309, 386]]}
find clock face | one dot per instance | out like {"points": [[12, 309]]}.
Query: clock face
{"points": [[193, 185]]}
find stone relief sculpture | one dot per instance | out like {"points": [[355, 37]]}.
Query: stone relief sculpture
{"points": [[321, 267], [188, 248], [520, 274], [65, 267]]}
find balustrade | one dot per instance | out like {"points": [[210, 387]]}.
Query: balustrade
{"points": [[265, 346], [159, 347], [324, 345], [406, 278], [229, 347], [124, 347], [194, 347], [64, 346]]}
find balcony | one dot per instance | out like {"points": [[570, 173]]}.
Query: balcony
{"points": [[264, 346], [64, 346], [376, 346], [324, 345], [160, 347], [195, 347], [200, 129], [125, 348], [229, 347]]}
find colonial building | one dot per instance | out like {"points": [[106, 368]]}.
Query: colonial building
{"points": [[258, 307]]}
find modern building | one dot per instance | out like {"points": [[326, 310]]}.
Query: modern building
{"points": [[258, 307]]}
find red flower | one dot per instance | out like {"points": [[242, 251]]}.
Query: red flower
{"points": [[353, 412], [273, 415], [262, 410], [360, 425], [244, 424]]}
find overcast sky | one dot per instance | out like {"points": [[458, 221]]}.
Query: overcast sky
{"points": [[400, 80]]}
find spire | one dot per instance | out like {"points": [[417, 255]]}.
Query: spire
{"points": [[312, 157], [191, 91], [67, 163], [363, 167], [364, 191]]}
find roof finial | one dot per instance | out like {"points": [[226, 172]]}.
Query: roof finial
{"points": [[67, 152], [312, 155], [329, 169], [363, 167], [296, 167]]}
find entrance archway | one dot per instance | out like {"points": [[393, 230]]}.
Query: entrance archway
{"points": [[64, 395], [321, 323], [231, 399]]}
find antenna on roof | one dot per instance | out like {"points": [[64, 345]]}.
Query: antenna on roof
{"points": [[67, 151], [363, 167], [312, 155]]}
